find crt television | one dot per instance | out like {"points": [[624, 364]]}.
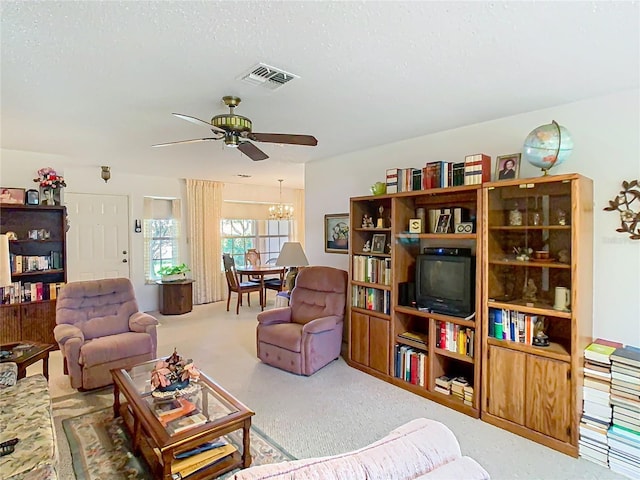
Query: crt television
{"points": [[445, 281]]}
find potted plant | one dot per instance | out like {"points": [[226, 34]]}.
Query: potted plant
{"points": [[173, 273]]}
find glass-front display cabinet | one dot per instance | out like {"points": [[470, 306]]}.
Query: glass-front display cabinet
{"points": [[537, 304]]}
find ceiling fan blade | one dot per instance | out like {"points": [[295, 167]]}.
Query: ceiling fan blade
{"points": [[308, 140], [197, 121], [251, 151], [185, 141]]}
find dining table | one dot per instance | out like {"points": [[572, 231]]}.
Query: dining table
{"points": [[261, 271]]}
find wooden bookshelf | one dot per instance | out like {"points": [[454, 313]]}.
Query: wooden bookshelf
{"points": [[530, 390], [374, 337]]}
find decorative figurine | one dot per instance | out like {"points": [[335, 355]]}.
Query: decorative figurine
{"points": [[367, 246], [529, 291], [366, 220], [540, 339], [380, 223], [562, 217], [563, 256]]}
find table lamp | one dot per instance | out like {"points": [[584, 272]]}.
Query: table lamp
{"points": [[292, 256]]}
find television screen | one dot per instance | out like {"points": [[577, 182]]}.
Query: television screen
{"points": [[446, 284]]}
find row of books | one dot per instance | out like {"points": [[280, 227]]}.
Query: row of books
{"points": [[624, 433], [474, 170], [34, 263], [455, 338], [610, 423], [371, 299], [411, 365], [21, 292], [458, 387], [512, 325], [199, 458], [372, 269]]}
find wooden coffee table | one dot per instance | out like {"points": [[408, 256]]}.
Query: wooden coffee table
{"points": [[28, 353], [225, 414]]}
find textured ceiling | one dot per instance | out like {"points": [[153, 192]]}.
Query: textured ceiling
{"points": [[97, 81]]}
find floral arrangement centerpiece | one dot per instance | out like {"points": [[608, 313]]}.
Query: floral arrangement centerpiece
{"points": [[50, 183], [173, 373]]}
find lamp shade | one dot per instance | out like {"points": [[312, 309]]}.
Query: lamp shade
{"points": [[5, 266], [292, 255]]}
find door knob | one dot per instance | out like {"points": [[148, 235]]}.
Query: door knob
{"points": [[124, 260], [124, 252]]}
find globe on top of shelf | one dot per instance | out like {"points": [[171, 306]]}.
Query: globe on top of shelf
{"points": [[548, 146]]}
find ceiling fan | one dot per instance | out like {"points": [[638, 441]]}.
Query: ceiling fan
{"points": [[236, 132]]}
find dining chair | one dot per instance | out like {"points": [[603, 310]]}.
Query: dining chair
{"points": [[252, 256], [234, 284]]}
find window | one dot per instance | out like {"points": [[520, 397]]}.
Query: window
{"points": [[161, 235], [266, 236]]}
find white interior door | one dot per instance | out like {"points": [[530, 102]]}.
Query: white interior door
{"points": [[98, 237]]}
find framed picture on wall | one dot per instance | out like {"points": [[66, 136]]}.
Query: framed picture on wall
{"points": [[336, 233]]}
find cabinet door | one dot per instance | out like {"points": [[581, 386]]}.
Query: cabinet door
{"points": [[38, 321], [379, 344], [548, 402], [506, 394], [9, 324], [360, 338]]}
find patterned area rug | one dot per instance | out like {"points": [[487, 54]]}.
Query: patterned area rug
{"points": [[101, 448]]}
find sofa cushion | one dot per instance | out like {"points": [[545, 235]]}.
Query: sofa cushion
{"points": [[25, 413], [8, 374], [114, 347], [284, 335], [408, 452]]}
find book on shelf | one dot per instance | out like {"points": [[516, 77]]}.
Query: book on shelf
{"points": [[392, 180], [415, 336], [189, 465], [444, 382], [477, 169], [186, 422]]}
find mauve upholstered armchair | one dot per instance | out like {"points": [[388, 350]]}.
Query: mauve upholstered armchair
{"points": [[306, 335], [99, 327]]}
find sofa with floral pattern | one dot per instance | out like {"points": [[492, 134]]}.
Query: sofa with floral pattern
{"points": [[25, 413]]}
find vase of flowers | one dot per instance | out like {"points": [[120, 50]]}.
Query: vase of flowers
{"points": [[50, 185], [174, 373]]}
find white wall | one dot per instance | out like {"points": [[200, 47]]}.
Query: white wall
{"points": [[19, 168], [606, 134]]}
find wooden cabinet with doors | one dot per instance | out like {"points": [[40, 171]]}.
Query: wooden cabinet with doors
{"points": [[537, 305], [38, 269]]}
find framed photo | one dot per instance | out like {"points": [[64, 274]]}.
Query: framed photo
{"points": [[442, 226], [508, 166], [336, 233], [12, 195], [378, 242]]}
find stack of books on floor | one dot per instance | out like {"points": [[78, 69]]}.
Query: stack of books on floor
{"points": [[199, 458], [596, 411], [624, 434]]}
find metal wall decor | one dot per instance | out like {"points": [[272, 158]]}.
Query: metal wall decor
{"points": [[625, 203]]}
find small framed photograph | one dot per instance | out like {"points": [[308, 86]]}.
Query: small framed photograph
{"points": [[13, 196], [377, 244], [508, 166], [442, 226], [336, 233]]}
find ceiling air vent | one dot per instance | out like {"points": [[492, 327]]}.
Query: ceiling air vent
{"points": [[267, 76]]}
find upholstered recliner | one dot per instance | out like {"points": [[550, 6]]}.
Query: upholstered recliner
{"points": [[306, 335], [99, 327]]}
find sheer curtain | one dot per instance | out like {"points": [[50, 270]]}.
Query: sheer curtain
{"points": [[204, 207], [298, 215]]}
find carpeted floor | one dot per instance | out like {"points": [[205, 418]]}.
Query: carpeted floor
{"points": [[336, 410]]}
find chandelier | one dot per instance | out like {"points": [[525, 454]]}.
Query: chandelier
{"points": [[280, 211]]}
